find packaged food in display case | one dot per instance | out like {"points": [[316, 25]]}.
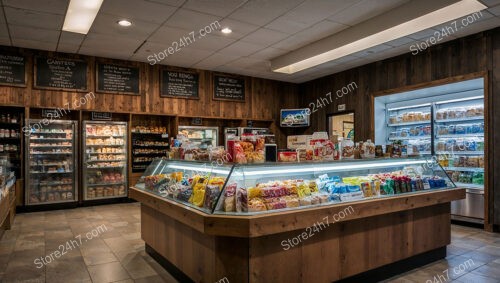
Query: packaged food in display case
{"points": [[105, 160], [260, 188], [51, 163]]}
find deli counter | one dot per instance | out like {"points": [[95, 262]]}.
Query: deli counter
{"points": [[330, 220]]}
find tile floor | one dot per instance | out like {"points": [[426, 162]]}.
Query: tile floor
{"points": [[116, 252]]}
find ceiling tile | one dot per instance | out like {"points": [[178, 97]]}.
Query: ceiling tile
{"points": [[211, 42], [191, 20], [4, 41], [68, 48], [313, 11], [186, 57], [138, 10], [115, 54], [49, 6], [107, 24], [365, 10], [239, 29], [251, 63], [259, 12], [175, 3], [71, 38], [268, 53], [34, 44], [21, 17], [218, 8], [215, 60], [241, 48], [167, 35], [33, 34], [265, 37], [287, 24], [314, 33], [99, 42], [400, 41]]}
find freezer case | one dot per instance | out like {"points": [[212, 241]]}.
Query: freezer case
{"points": [[104, 160], [51, 174]]}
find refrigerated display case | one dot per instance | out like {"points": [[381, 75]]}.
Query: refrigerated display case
{"points": [[148, 143], [11, 136], [269, 187], [455, 135], [104, 160], [51, 171], [200, 136]]}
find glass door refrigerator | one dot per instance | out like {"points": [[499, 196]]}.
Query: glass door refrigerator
{"points": [[104, 160], [459, 144], [200, 136], [51, 174]]}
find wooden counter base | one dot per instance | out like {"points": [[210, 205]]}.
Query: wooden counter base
{"points": [[339, 251]]}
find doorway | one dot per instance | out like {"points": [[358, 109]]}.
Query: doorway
{"points": [[341, 124]]}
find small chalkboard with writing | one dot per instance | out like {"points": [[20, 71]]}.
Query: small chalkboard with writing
{"points": [[12, 70], [179, 84], [60, 74], [117, 79], [229, 88]]}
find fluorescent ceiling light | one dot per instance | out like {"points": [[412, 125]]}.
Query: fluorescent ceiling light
{"points": [[226, 30], [461, 99], [81, 15], [404, 20], [409, 107]]}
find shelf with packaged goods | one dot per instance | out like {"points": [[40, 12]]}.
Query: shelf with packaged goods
{"points": [[460, 152], [409, 123], [466, 119], [478, 135], [410, 138], [464, 169]]}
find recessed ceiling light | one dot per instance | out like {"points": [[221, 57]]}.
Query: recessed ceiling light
{"points": [[402, 21], [226, 30], [124, 23], [81, 15]]}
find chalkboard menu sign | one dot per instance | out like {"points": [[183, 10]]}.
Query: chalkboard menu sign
{"points": [[117, 79], [57, 73], [179, 84], [229, 88], [12, 70]]}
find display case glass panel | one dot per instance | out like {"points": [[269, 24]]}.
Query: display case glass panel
{"points": [[104, 160], [269, 187], [51, 171]]}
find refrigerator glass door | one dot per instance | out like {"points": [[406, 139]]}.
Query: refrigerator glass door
{"points": [[51, 174], [104, 160]]}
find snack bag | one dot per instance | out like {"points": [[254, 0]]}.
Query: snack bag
{"points": [[241, 200], [198, 195], [230, 198], [239, 154], [211, 194]]}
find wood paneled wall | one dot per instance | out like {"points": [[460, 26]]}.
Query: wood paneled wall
{"points": [[461, 57], [264, 98]]}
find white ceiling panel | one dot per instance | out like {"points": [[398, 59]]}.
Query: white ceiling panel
{"points": [[22, 17], [211, 42], [265, 37], [251, 63], [71, 38], [4, 41], [107, 24], [175, 3], [167, 35], [115, 54], [3, 30], [365, 10], [316, 32], [138, 10], [313, 11], [49, 6], [100, 42], [241, 48], [215, 60], [239, 29], [191, 20], [268, 53], [33, 34], [261, 12], [34, 44], [215, 7], [186, 57], [67, 48]]}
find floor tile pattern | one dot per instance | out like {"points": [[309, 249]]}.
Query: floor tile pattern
{"points": [[114, 251]]}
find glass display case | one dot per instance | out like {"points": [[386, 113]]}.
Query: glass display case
{"points": [[200, 136], [269, 187], [7, 176], [104, 160], [51, 174]]}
